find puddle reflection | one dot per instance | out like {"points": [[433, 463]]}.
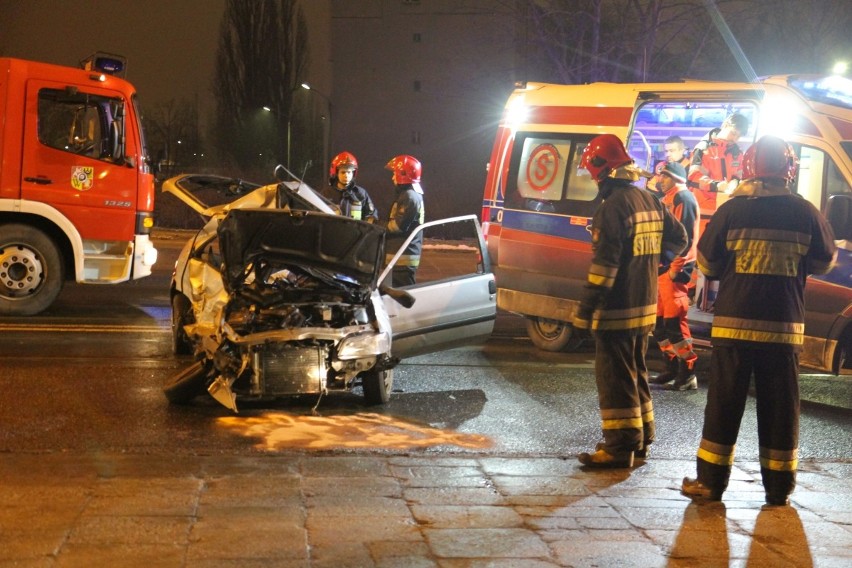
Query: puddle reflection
{"points": [[279, 431]]}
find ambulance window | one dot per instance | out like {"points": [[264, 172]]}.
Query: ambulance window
{"points": [[80, 123], [817, 170], [811, 173], [542, 167]]}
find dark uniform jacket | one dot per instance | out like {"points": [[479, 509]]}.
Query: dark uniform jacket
{"points": [[407, 214], [355, 202], [630, 231], [762, 244]]}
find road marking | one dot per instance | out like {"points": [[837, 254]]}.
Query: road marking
{"points": [[85, 328]]}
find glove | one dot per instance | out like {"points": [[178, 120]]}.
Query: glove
{"points": [[727, 187], [676, 267], [582, 323]]}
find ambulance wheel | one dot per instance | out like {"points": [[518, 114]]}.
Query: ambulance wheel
{"points": [[31, 270], [377, 386], [843, 353], [552, 335]]}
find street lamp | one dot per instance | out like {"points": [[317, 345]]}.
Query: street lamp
{"points": [[308, 87], [269, 110]]}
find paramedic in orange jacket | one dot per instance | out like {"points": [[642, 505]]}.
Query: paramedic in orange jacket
{"points": [[672, 329], [716, 163], [761, 244], [631, 230]]}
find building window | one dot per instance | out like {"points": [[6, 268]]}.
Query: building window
{"points": [[417, 38], [416, 86], [415, 137]]}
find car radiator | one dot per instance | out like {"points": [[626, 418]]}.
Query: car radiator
{"points": [[288, 369]]}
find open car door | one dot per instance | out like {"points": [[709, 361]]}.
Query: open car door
{"points": [[455, 294]]}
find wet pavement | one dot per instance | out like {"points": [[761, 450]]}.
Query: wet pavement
{"points": [[406, 510]]}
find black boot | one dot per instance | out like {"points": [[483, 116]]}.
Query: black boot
{"points": [[669, 374], [686, 379]]}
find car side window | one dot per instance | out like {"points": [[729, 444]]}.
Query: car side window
{"points": [[452, 249]]}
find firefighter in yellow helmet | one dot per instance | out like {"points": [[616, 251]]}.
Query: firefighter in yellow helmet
{"points": [[406, 215]]}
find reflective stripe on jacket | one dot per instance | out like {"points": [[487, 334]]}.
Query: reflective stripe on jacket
{"points": [[761, 245]]}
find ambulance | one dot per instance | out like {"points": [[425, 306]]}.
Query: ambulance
{"points": [[538, 204]]}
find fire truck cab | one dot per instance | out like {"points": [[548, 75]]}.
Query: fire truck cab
{"points": [[538, 204], [76, 190]]}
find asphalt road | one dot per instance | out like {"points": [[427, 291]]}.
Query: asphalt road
{"points": [[87, 375]]}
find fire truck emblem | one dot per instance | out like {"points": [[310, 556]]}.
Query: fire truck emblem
{"points": [[82, 177]]}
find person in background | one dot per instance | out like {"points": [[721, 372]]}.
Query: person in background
{"points": [[717, 163], [672, 329], [631, 230], [761, 244], [406, 214], [354, 201], [675, 151]]}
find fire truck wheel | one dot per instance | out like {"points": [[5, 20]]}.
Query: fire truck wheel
{"points": [[181, 315], [186, 384], [31, 270], [377, 386], [552, 335]]}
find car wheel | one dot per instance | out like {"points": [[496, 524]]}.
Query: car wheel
{"points": [[187, 384], [552, 335], [377, 386], [181, 315], [31, 271]]}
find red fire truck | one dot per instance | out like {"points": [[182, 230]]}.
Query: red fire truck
{"points": [[76, 189]]}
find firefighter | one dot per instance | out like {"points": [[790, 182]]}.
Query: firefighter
{"points": [[631, 229], [717, 163], [675, 151], [761, 244], [407, 213], [672, 329], [354, 201]]}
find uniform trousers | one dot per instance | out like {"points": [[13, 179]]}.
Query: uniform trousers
{"points": [[776, 382], [627, 412]]}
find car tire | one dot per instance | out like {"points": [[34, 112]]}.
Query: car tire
{"points": [[181, 315], [186, 384], [552, 335], [31, 271], [377, 386]]}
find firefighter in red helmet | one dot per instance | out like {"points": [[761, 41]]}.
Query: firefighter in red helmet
{"points": [[407, 213], [631, 231], [354, 201], [761, 244]]}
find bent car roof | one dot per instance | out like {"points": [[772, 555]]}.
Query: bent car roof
{"points": [[306, 239]]}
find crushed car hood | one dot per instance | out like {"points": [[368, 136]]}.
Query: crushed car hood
{"points": [[340, 245]]}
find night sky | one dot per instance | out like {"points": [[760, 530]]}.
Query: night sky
{"points": [[170, 45]]}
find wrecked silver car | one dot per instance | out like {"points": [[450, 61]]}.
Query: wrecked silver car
{"points": [[278, 295]]}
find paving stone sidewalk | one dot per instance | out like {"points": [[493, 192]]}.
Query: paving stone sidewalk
{"points": [[309, 510]]}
